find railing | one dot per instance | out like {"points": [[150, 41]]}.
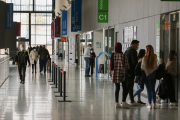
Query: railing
{"points": [[4, 69]]}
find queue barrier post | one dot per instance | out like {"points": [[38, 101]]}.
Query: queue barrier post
{"points": [[52, 73], [64, 89], [55, 78], [59, 83]]}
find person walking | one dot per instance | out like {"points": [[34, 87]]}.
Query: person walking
{"points": [[92, 60], [131, 54], [149, 66], [118, 63], [34, 56], [44, 56], [29, 49], [170, 67], [87, 60], [21, 60], [139, 79]]}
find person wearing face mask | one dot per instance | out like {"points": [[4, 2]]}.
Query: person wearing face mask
{"points": [[131, 54], [34, 56], [44, 56], [92, 60], [21, 60]]}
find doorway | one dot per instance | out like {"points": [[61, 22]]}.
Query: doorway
{"points": [[169, 40]]}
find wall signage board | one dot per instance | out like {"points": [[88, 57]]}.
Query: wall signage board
{"points": [[64, 22], [57, 27], [63, 39], [102, 11], [9, 15], [169, 25], [52, 30], [73, 16], [158, 40], [78, 8]]}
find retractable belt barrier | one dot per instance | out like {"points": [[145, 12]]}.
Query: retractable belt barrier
{"points": [[59, 80]]}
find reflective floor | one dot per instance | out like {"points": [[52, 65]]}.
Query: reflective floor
{"points": [[92, 99]]}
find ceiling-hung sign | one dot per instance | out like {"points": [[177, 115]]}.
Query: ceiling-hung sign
{"points": [[18, 32], [64, 22], [9, 15], [78, 8], [102, 11], [52, 30], [73, 16], [57, 27]]}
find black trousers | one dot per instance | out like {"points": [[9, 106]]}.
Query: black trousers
{"points": [[91, 65], [171, 90], [124, 92], [34, 66], [22, 71]]}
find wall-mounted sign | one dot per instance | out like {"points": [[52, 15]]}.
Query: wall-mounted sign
{"points": [[169, 25], [102, 11], [57, 27], [165, 25], [52, 30], [9, 15], [64, 22], [98, 44], [129, 34], [18, 31], [157, 40], [63, 39], [78, 8]]}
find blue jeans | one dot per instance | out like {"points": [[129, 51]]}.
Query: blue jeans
{"points": [[87, 65], [138, 92], [43, 64], [150, 83]]}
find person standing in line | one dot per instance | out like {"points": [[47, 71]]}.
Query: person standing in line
{"points": [[149, 66], [92, 60], [44, 56], [170, 67], [118, 63], [87, 60], [21, 60], [34, 56], [139, 79], [131, 54]]}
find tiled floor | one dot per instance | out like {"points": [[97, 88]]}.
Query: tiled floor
{"points": [[92, 99]]}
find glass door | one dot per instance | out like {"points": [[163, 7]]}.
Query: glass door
{"points": [[108, 47]]}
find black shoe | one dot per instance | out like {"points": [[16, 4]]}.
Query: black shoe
{"points": [[140, 102], [21, 81], [87, 76]]}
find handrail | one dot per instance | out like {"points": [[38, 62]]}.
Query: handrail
{"points": [[5, 60]]}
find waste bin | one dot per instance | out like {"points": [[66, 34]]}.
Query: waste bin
{"points": [[101, 68]]}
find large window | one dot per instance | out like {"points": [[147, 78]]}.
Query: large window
{"points": [[35, 17]]}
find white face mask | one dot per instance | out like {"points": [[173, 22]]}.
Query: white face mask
{"points": [[91, 51]]}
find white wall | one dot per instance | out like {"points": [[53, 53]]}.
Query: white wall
{"points": [[98, 37], [72, 49]]}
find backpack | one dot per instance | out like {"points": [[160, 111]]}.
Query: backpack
{"points": [[160, 71]]}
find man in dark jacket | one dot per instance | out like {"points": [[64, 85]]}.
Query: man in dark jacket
{"points": [[21, 60], [44, 56], [131, 54]]}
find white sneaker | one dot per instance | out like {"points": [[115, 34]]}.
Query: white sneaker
{"points": [[173, 104], [156, 107], [158, 99], [125, 105], [117, 105], [149, 107], [134, 104]]}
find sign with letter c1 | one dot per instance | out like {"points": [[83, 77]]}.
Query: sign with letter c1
{"points": [[102, 11]]}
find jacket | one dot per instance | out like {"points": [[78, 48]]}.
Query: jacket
{"points": [[34, 56], [131, 54], [87, 52], [44, 54], [170, 67], [26, 57], [147, 70]]}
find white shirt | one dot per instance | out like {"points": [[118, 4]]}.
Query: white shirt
{"points": [[87, 52]]}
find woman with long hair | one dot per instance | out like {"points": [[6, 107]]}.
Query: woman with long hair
{"points": [[149, 66], [118, 63], [139, 79]]}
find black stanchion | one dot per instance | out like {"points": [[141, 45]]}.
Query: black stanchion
{"points": [[59, 83], [54, 68], [64, 89], [52, 73], [55, 77]]}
